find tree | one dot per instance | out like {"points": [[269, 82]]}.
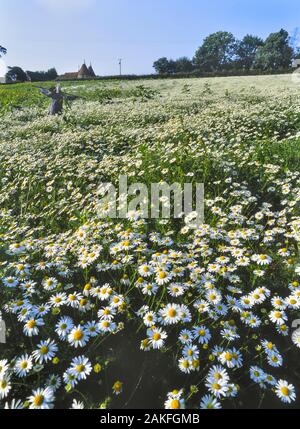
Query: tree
{"points": [[161, 65], [52, 74], [42, 76], [172, 67], [3, 51], [184, 65], [276, 53], [246, 51], [16, 74], [165, 66], [217, 52]]}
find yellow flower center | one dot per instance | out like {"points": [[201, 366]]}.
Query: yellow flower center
{"points": [[175, 404], [31, 324], [3, 384], [38, 400], [156, 336], [285, 391], [78, 335], [162, 275], [80, 368], [44, 350], [216, 386], [172, 312]]}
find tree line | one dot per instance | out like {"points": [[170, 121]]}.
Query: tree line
{"points": [[219, 53], [17, 74], [222, 52]]}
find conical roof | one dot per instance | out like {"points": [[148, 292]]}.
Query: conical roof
{"points": [[91, 71], [84, 71]]}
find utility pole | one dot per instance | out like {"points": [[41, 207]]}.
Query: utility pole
{"points": [[120, 65]]}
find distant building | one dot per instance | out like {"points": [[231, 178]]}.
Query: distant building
{"points": [[83, 73], [296, 63]]}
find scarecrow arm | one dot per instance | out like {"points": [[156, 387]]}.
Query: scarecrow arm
{"points": [[72, 97], [44, 91]]}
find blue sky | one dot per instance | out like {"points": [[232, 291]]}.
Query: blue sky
{"points": [[43, 33]]}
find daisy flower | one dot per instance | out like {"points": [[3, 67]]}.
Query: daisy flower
{"points": [[278, 317], [163, 277], [10, 282], [285, 391], [81, 368], [185, 365], [186, 336], [217, 388], [77, 405], [190, 352], [31, 327], [15, 404], [23, 365], [50, 283], [262, 259], [92, 329], [70, 379], [145, 270], [78, 337], [3, 367], [5, 386], [231, 358], [157, 337], [106, 313], [150, 319], [107, 326], [41, 399], [170, 315], [210, 403], [117, 388], [202, 334], [219, 374], [64, 326], [174, 403], [45, 352]]}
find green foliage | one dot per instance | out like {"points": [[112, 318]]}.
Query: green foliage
{"points": [[16, 74], [217, 52], [165, 66], [2, 51], [276, 52], [221, 53], [143, 93], [184, 65], [42, 76], [246, 51]]}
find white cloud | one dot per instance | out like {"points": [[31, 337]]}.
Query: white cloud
{"points": [[68, 5]]}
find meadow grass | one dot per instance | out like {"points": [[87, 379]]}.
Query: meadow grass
{"points": [[119, 313]]}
